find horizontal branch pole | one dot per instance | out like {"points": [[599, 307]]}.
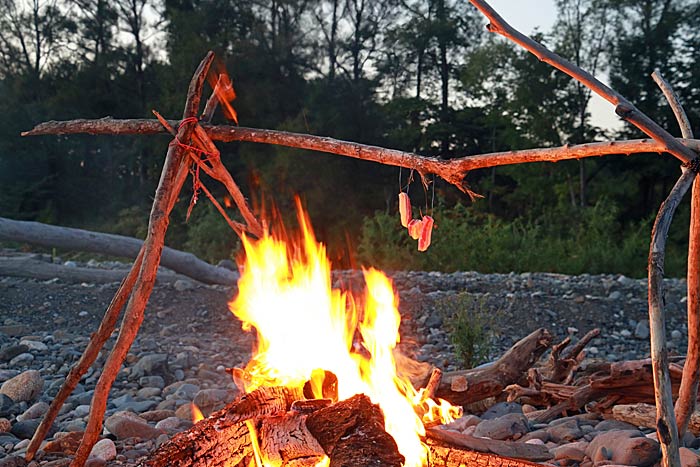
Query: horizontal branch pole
{"points": [[623, 107], [452, 170]]}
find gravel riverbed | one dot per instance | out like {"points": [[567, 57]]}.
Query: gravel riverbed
{"points": [[189, 337]]}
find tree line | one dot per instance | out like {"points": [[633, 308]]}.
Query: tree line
{"points": [[415, 75]]}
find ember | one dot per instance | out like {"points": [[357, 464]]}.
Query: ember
{"points": [[304, 325]]}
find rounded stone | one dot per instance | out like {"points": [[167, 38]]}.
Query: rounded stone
{"points": [[104, 449], [26, 386]]}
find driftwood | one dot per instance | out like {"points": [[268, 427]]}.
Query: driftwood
{"points": [[466, 387], [644, 415], [26, 266], [688, 393], [68, 238]]}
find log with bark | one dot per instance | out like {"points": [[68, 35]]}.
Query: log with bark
{"points": [[68, 238]]}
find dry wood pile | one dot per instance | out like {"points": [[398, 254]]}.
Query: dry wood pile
{"points": [[293, 431]]}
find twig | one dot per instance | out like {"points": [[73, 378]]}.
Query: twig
{"points": [[433, 384], [665, 420], [674, 103], [223, 175], [688, 392], [454, 170], [623, 107], [172, 178]]}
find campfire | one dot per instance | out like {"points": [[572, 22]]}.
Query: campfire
{"points": [[321, 350]]}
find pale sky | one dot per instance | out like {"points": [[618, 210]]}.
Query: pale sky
{"points": [[527, 15]]}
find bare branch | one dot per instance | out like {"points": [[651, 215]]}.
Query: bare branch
{"points": [[453, 170], [623, 107]]}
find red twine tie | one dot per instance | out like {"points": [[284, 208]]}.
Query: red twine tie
{"points": [[196, 183]]}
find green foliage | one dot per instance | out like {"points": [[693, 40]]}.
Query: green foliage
{"points": [[470, 325], [572, 242], [208, 235], [416, 75]]}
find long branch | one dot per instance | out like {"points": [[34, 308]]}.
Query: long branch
{"points": [[665, 420], [688, 392], [172, 178], [452, 170]]}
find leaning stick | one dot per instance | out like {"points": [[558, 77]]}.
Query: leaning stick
{"points": [[665, 420], [171, 181], [623, 107], [688, 392], [97, 341]]}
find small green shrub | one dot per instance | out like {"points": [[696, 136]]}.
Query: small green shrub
{"points": [[471, 327]]}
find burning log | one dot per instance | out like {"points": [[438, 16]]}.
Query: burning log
{"points": [[446, 456], [352, 434], [286, 441]]}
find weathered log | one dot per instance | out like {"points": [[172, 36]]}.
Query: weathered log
{"points": [[352, 433], [511, 449], [468, 386], [448, 456], [644, 415], [68, 238], [26, 266]]}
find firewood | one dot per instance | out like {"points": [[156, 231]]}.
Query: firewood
{"points": [[285, 441], [447, 456], [266, 400], [205, 445], [352, 433], [512, 449], [511, 368]]}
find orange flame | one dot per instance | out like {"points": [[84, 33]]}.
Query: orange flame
{"points": [[196, 413], [223, 89], [303, 324], [227, 201]]}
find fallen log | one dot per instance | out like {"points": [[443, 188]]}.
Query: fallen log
{"points": [[25, 266], [69, 238], [447, 456], [510, 449], [469, 386]]}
